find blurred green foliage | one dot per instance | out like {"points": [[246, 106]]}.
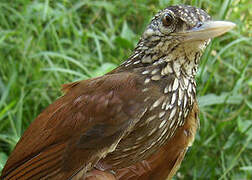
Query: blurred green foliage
{"points": [[44, 44]]}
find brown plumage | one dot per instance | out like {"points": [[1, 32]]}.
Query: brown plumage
{"points": [[135, 122]]}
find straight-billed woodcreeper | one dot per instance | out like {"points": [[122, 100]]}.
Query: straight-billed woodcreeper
{"points": [[135, 122]]}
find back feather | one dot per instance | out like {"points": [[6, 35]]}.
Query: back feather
{"points": [[37, 166]]}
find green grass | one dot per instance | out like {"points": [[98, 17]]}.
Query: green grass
{"points": [[44, 44]]}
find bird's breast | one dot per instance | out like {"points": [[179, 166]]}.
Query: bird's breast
{"points": [[165, 113]]}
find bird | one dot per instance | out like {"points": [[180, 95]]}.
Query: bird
{"points": [[135, 122]]}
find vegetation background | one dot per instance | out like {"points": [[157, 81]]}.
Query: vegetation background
{"points": [[44, 44]]}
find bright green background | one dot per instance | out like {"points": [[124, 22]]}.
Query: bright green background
{"points": [[44, 44]]}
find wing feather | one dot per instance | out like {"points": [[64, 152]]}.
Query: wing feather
{"points": [[37, 163], [77, 129]]}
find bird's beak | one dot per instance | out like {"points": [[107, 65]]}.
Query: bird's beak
{"points": [[207, 30]]}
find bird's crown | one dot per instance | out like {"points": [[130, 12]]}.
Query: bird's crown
{"points": [[176, 19]]}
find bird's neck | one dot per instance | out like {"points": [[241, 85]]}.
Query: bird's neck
{"points": [[172, 71], [164, 60]]}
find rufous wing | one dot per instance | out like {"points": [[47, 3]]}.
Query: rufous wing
{"points": [[78, 129]]}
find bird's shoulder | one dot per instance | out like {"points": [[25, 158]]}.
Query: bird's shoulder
{"points": [[92, 113]]}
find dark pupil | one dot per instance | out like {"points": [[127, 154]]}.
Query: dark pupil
{"points": [[167, 19]]}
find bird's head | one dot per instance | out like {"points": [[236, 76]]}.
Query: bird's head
{"points": [[178, 34], [185, 24]]}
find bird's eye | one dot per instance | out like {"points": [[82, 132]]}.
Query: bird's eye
{"points": [[167, 19]]}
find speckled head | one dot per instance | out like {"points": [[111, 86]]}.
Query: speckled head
{"points": [[175, 40], [182, 21], [179, 32], [176, 19]]}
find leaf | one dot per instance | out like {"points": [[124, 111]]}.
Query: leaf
{"points": [[3, 159], [124, 43], [249, 103], [75, 73], [212, 99], [102, 4], [246, 168], [244, 125], [104, 68], [127, 33], [7, 89]]}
